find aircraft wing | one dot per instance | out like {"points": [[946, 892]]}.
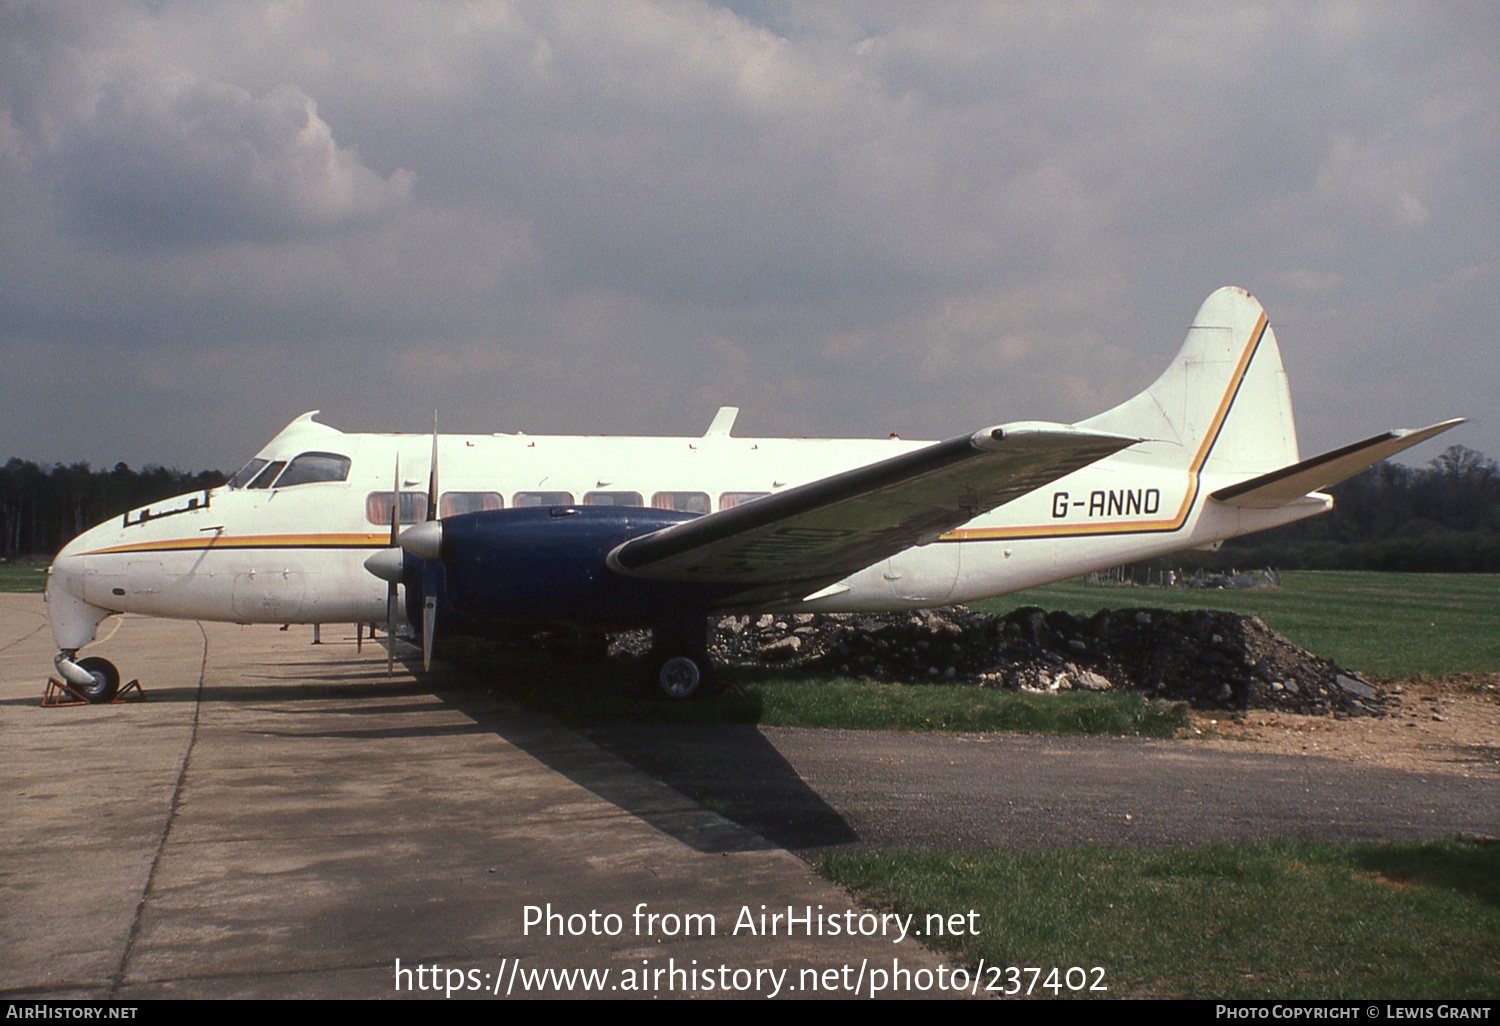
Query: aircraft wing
{"points": [[1291, 483], [822, 531]]}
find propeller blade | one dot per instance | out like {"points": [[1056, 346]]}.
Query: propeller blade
{"points": [[390, 588], [429, 628], [429, 576], [432, 475]]}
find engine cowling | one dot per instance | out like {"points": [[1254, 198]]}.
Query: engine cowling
{"points": [[546, 565]]}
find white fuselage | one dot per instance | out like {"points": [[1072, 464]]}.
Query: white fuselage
{"points": [[296, 554]]}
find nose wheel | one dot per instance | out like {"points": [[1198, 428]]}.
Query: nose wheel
{"points": [[92, 680], [106, 680]]}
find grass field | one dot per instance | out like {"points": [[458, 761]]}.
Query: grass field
{"points": [[1272, 920], [1386, 625], [23, 576], [786, 699]]}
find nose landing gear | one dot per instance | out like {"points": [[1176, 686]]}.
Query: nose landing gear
{"points": [[93, 681]]}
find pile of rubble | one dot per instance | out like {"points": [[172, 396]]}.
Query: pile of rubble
{"points": [[1211, 659]]}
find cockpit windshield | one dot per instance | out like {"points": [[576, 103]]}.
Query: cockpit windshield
{"points": [[315, 466], [265, 477], [247, 473], [305, 469]]}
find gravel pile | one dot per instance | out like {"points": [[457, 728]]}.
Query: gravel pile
{"points": [[1211, 659]]}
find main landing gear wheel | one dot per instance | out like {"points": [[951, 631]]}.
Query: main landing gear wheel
{"points": [[680, 677], [679, 666], [106, 680]]}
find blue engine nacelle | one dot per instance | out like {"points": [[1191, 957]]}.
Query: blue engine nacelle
{"points": [[546, 566]]}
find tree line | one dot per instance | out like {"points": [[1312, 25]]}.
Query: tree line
{"points": [[1441, 517], [42, 508]]}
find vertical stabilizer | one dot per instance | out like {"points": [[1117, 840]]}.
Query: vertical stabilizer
{"points": [[1223, 405]]}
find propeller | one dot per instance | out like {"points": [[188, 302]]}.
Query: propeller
{"points": [[424, 541], [390, 587], [389, 564], [429, 576]]}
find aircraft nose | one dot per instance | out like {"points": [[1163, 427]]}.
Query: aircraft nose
{"points": [[67, 566]]}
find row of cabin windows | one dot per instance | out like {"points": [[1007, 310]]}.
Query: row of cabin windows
{"points": [[312, 467], [414, 504]]}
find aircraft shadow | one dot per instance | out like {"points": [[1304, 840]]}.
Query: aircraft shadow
{"points": [[728, 770], [735, 771]]}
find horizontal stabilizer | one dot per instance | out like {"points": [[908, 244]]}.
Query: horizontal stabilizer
{"points": [[1291, 483], [820, 532]]}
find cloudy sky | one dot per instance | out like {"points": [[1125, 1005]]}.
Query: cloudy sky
{"points": [[848, 219]]}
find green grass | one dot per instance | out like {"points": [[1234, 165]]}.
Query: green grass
{"points": [[779, 699], [1385, 625], [865, 705], [1277, 919], [23, 576]]}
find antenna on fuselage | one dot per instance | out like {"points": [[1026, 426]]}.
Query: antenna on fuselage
{"points": [[723, 422]]}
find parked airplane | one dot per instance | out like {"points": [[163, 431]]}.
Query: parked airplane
{"points": [[602, 534]]}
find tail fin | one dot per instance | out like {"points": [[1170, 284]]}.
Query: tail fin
{"points": [[1223, 406]]}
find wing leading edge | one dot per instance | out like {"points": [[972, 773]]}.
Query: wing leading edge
{"points": [[798, 540]]}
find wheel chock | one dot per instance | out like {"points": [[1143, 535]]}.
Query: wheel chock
{"points": [[58, 695]]}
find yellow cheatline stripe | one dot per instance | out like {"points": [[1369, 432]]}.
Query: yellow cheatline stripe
{"points": [[253, 541], [1194, 471]]}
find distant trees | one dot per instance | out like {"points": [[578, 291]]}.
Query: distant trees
{"points": [[1442, 517], [41, 509]]}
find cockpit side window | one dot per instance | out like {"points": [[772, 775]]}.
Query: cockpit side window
{"points": [[265, 477], [315, 466], [247, 473]]}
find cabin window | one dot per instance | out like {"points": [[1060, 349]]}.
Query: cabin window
{"points": [[613, 499], [315, 466], [265, 477], [247, 473], [542, 499], [729, 500], [413, 507], [454, 503], [683, 502]]}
